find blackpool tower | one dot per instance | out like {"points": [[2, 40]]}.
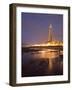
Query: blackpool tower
{"points": [[50, 33]]}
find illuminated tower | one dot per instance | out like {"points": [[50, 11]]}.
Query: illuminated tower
{"points": [[50, 37]]}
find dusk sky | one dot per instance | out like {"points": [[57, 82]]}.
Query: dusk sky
{"points": [[35, 27]]}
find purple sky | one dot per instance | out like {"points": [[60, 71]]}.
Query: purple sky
{"points": [[35, 27]]}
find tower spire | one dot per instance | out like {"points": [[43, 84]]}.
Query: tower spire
{"points": [[50, 38]]}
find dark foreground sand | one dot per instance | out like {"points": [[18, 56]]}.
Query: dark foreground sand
{"points": [[42, 67]]}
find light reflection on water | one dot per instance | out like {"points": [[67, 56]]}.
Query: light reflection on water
{"points": [[49, 62], [46, 54]]}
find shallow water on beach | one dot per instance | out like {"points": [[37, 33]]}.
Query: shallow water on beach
{"points": [[45, 62]]}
